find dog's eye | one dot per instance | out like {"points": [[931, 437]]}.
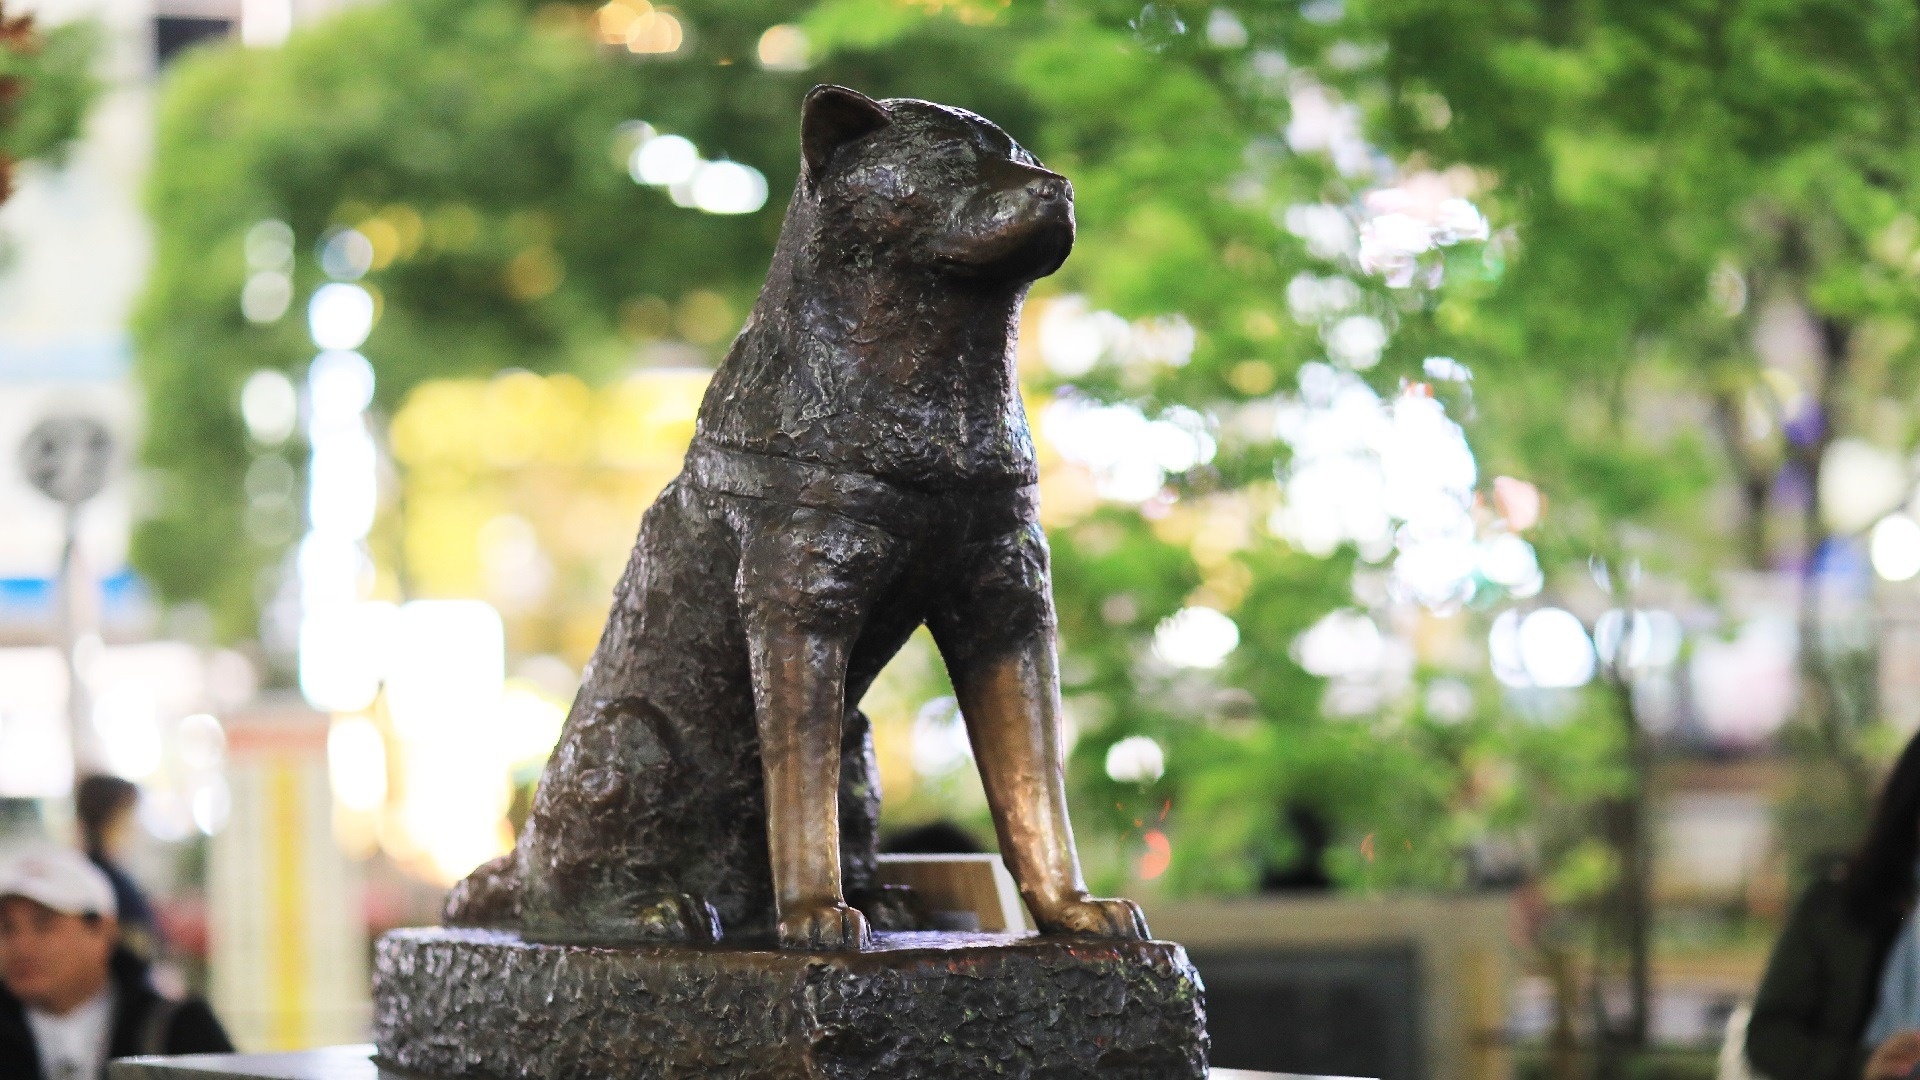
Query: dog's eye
{"points": [[951, 152]]}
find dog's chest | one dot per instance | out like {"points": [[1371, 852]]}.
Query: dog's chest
{"points": [[926, 417]]}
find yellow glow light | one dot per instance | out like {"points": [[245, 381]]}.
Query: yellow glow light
{"points": [[385, 240], [408, 227], [529, 723], [535, 273], [618, 19], [657, 33], [647, 420], [784, 48]]}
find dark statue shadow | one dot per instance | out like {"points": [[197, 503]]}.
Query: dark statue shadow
{"points": [[694, 893]]}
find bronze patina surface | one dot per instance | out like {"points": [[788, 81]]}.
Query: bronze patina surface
{"points": [[913, 1006], [694, 894], [862, 466]]}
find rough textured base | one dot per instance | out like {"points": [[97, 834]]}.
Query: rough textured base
{"points": [[919, 1006], [356, 1063]]}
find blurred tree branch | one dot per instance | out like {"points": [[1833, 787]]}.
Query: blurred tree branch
{"points": [[46, 87]]}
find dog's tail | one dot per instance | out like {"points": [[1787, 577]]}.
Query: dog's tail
{"points": [[490, 896]]}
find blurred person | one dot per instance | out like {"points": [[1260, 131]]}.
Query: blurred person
{"points": [[933, 838], [1841, 996], [104, 807], [71, 997], [1308, 870]]}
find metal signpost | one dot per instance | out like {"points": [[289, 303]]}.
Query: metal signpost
{"points": [[68, 459]]}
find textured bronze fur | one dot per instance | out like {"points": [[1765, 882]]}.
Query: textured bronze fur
{"points": [[862, 467]]}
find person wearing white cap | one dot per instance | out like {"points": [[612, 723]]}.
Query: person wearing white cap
{"points": [[70, 998]]}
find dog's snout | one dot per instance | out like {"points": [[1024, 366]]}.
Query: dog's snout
{"points": [[1049, 188]]}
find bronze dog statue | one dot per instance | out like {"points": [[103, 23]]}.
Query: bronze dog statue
{"points": [[862, 466]]}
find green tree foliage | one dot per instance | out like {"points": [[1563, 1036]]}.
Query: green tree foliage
{"points": [[1686, 181], [1678, 172], [46, 84]]}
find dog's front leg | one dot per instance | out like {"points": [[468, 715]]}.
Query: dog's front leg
{"points": [[799, 679], [1011, 700], [996, 632], [806, 581]]}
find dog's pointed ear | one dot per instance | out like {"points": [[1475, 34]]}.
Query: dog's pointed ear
{"points": [[832, 117]]}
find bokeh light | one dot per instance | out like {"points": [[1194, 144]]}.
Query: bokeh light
{"points": [[728, 187], [1196, 637], [1387, 476], [1894, 547], [1346, 643], [266, 296], [1074, 338], [1518, 502], [340, 316], [448, 664], [939, 744], [530, 722], [616, 20], [1858, 483], [1555, 649], [1638, 640], [269, 245], [344, 654], [639, 26], [1158, 856], [1136, 759], [357, 763], [1510, 561], [128, 722], [1129, 456], [1745, 689], [346, 255], [340, 386], [664, 160], [211, 805], [201, 742], [784, 48], [656, 33], [270, 406]]}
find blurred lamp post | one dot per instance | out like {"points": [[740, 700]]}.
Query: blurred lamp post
{"points": [[67, 458]]}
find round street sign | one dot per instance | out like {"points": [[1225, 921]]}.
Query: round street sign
{"points": [[67, 457]]}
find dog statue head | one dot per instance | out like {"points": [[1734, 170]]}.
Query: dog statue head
{"points": [[915, 184]]}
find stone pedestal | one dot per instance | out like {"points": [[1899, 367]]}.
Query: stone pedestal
{"points": [[356, 1063], [463, 1003]]}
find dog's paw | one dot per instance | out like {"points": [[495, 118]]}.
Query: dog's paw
{"points": [[487, 897], [890, 907], [640, 920], [1095, 917], [678, 917], [827, 927]]}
